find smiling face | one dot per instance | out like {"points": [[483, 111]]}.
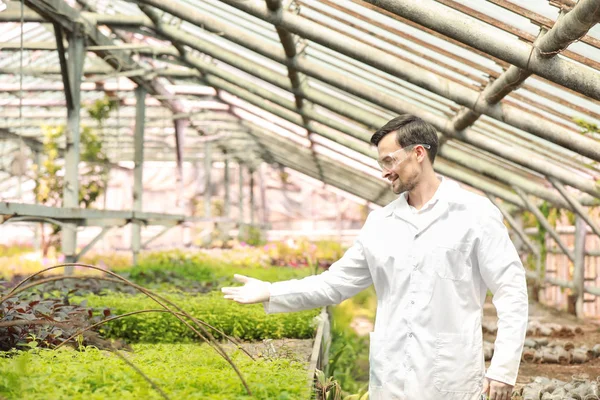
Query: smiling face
{"points": [[406, 147], [400, 166]]}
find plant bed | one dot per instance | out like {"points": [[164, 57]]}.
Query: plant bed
{"points": [[246, 322], [182, 371], [201, 272]]}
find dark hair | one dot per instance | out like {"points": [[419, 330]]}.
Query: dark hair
{"points": [[409, 130]]}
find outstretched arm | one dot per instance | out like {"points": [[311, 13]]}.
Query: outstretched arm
{"points": [[345, 278]]}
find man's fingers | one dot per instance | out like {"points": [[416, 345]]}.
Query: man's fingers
{"points": [[230, 290], [237, 299], [241, 278], [486, 387]]}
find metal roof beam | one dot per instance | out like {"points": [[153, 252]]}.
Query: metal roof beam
{"points": [[289, 46], [108, 71], [479, 35], [335, 174], [70, 19], [259, 100], [569, 28], [527, 159], [395, 66], [337, 13], [509, 114]]}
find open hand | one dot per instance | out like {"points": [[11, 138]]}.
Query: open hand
{"points": [[253, 291]]}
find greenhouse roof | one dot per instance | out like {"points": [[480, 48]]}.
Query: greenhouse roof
{"points": [[513, 88]]}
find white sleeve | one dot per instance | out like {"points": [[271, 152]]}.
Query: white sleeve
{"points": [[345, 278], [503, 273]]}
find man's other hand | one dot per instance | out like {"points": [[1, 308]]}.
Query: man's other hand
{"points": [[495, 390]]}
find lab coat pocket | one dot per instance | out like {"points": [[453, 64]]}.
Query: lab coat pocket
{"points": [[456, 364], [377, 362], [451, 261]]}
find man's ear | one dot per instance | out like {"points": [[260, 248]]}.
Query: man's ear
{"points": [[421, 153]]}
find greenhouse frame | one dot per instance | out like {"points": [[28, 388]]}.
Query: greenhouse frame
{"points": [[512, 89]]}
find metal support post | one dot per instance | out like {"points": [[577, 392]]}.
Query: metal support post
{"points": [[37, 230], [138, 169], [227, 210], [207, 180], [263, 195], [180, 125], [74, 65], [252, 205], [241, 190], [579, 265]]}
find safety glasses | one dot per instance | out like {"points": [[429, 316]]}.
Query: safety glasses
{"points": [[397, 157]]}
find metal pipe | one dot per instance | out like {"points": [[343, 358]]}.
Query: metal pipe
{"points": [[508, 114], [138, 159], [528, 159], [252, 200], [72, 133], [263, 196], [227, 188], [579, 265], [575, 205], [515, 226], [91, 244], [492, 41], [207, 180], [492, 170], [241, 193], [566, 30], [348, 110], [542, 220], [397, 67], [180, 125]]}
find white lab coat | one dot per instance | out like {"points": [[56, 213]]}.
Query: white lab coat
{"points": [[431, 279]]}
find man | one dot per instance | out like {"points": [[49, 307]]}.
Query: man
{"points": [[432, 254]]}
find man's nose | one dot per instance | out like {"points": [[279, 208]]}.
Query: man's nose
{"points": [[384, 173]]}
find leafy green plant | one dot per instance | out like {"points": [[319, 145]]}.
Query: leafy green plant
{"points": [[20, 318], [200, 272], [176, 311], [326, 388], [247, 322], [183, 371], [252, 235], [303, 252]]}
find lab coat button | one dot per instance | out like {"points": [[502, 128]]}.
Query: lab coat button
{"points": [[412, 302], [410, 335]]}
